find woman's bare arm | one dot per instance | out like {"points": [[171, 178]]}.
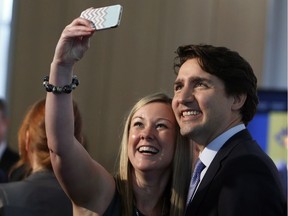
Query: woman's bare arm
{"points": [[86, 182]]}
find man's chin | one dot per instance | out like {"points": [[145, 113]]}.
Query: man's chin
{"points": [[186, 131]]}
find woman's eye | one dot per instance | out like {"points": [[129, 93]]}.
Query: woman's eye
{"points": [[161, 126], [137, 124]]}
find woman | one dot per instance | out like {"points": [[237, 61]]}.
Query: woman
{"points": [[38, 192], [152, 151]]}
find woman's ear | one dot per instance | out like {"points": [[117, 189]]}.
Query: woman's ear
{"points": [[239, 101]]}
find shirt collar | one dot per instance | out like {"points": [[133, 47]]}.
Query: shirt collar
{"points": [[209, 152]]}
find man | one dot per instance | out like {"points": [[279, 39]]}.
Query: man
{"points": [[215, 97], [7, 156]]}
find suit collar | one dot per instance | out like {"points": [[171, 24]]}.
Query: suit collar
{"points": [[44, 174], [214, 168], [208, 154]]}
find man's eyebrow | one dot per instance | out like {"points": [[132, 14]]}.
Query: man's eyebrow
{"points": [[197, 79], [192, 79], [177, 81]]}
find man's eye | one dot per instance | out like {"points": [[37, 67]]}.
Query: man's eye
{"points": [[200, 84], [177, 87]]}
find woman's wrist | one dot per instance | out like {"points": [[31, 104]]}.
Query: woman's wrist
{"points": [[67, 89], [61, 67], [60, 74], [61, 79]]}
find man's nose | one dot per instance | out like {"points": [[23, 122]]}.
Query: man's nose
{"points": [[185, 96]]}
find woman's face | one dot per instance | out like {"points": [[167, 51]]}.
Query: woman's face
{"points": [[152, 137]]}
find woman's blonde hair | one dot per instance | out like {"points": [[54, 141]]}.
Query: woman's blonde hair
{"points": [[181, 169]]}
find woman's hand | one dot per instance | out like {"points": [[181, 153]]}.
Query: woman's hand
{"points": [[74, 42]]}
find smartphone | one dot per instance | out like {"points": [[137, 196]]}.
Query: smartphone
{"points": [[104, 17]]}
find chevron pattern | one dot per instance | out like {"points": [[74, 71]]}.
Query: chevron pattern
{"points": [[95, 15]]}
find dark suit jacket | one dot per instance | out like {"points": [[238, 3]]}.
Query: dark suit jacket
{"points": [[241, 181], [38, 195], [9, 158]]}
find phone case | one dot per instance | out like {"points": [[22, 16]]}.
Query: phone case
{"points": [[104, 17]]}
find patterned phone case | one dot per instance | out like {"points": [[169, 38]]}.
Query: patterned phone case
{"points": [[104, 17]]}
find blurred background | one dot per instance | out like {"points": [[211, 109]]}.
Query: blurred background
{"points": [[135, 59]]}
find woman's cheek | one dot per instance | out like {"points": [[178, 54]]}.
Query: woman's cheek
{"points": [[133, 138]]}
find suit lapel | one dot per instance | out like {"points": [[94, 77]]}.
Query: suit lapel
{"points": [[215, 167]]}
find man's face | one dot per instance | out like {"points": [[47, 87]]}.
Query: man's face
{"points": [[3, 127], [201, 106]]}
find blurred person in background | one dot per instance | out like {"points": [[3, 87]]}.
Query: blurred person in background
{"points": [[39, 193], [8, 157]]}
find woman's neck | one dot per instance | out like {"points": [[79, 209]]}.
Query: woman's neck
{"points": [[38, 169], [150, 194]]}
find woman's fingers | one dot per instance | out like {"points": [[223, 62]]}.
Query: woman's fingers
{"points": [[74, 41], [78, 28]]}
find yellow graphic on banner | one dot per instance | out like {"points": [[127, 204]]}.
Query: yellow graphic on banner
{"points": [[278, 137]]}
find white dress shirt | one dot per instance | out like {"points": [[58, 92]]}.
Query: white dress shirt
{"points": [[210, 151]]}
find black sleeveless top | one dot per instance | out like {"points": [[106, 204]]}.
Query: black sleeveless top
{"points": [[114, 209]]}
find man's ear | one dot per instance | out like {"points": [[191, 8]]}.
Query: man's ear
{"points": [[239, 101]]}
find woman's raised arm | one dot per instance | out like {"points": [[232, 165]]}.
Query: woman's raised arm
{"points": [[86, 182]]}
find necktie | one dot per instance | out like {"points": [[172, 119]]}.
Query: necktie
{"points": [[195, 178]]}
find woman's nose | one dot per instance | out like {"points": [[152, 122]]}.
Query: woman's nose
{"points": [[147, 133]]}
